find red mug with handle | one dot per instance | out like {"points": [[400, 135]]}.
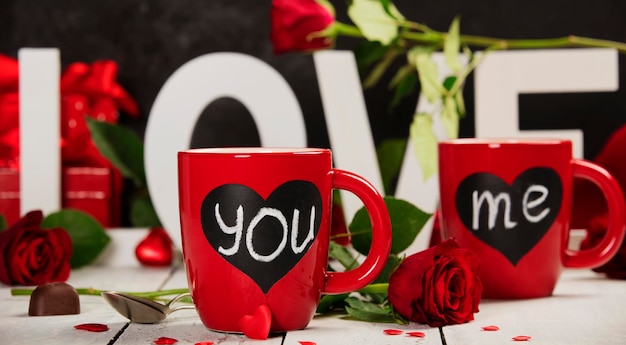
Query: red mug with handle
{"points": [[255, 228], [510, 202]]}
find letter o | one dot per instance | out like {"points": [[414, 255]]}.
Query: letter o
{"points": [[183, 97]]}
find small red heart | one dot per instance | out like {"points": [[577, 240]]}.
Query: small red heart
{"points": [[257, 326], [156, 249]]}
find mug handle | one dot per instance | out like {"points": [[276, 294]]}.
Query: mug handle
{"points": [[374, 263], [612, 240]]}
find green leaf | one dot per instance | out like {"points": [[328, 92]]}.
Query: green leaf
{"points": [[460, 103], [452, 45], [404, 82], [88, 236], [373, 21], [450, 117], [421, 57], [3, 223], [366, 311], [390, 9], [121, 146], [142, 213], [390, 154], [448, 83], [329, 303], [360, 304], [424, 144], [369, 316], [407, 221], [343, 255], [392, 263]]}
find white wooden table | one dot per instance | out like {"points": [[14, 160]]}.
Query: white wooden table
{"points": [[586, 309]]}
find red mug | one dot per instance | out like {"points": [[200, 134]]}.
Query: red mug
{"points": [[255, 228], [510, 202]]}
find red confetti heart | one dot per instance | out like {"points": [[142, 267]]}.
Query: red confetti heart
{"points": [[156, 249], [257, 326], [307, 343], [92, 327], [416, 334], [203, 343], [165, 341], [393, 331], [522, 338], [491, 328]]}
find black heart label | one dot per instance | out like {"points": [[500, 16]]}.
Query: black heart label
{"points": [[511, 219], [263, 238]]}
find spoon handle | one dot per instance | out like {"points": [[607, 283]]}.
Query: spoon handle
{"points": [[178, 298]]}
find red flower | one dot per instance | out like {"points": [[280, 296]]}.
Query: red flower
{"points": [[86, 90], [30, 255], [294, 22], [89, 90], [438, 286], [9, 111], [590, 209]]}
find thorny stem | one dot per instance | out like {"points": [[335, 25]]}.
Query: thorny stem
{"points": [[96, 292], [425, 35]]}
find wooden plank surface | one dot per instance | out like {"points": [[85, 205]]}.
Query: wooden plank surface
{"points": [[184, 325], [586, 308], [16, 327], [333, 330]]}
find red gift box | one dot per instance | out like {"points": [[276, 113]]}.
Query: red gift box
{"points": [[10, 194], [95, 191]]}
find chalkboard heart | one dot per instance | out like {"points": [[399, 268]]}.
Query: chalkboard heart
{"points": [[511, 219], [263, 238]]}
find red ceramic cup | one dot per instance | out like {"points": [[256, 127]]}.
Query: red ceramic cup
{"points": [[256, 228], [510, 202]]}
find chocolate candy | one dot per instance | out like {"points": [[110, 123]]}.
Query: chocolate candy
{"points": [[54, 299]]}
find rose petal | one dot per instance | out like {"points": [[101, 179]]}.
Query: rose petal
{"points": [[416, 334], [307, 343], [521, 338], [491, 328], [393, 331], [203, 343], [92, 327], [165, 341]]}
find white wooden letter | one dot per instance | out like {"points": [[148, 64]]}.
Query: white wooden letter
{"points": [[346, 120], [503, 75], [183, 97], [40, 133]]}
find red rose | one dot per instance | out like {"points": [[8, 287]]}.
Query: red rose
{"points": [[438, 286], [293, 22], [596, 229], [30, 255], [589, 208]]}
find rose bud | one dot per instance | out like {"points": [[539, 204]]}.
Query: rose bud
{"points": [[438, 286], [30, 255], [295, 23]]}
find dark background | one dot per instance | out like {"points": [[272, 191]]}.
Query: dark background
{"points": [[151, 39]]}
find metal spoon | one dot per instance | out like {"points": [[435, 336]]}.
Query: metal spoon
{"points": [[140, 309]]}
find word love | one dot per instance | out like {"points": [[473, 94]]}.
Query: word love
{"points": [[263, 238], [511, 219], [278, 116]]}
